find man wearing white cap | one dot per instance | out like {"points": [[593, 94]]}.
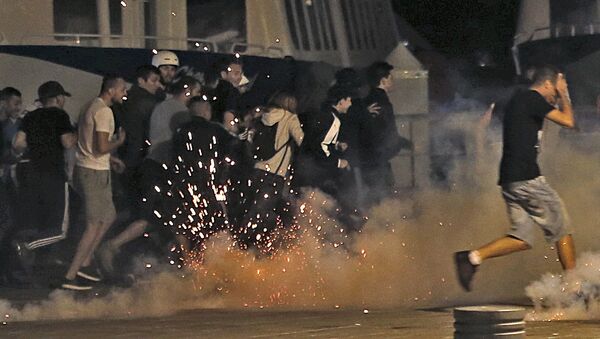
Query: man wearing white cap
{"points": [[167, 63]]}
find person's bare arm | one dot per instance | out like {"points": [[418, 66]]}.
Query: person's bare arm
{"points": [[104, 146], [564, 114], [68, 140], [20, 142]]}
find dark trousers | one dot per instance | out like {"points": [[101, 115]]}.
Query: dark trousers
{"points": [[7, 224], [262, 212], [379, 182], [43, 204]]}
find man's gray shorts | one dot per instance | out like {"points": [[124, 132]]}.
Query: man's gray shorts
{"points": [[534, 202], [94, 188]]}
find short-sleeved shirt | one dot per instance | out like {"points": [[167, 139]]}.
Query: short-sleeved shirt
{"points": [[227, 100], [522, 124], [97, 117], [166, 118], [43, 129]]}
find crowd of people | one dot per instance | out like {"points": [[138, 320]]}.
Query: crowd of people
{"points": [[183, 158]]}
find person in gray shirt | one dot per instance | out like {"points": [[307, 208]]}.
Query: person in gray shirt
{"points": [[167, 116]]}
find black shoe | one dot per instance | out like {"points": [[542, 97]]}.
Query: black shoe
{"points": [[464, 269], [25, 255], [89, 273], [75, 285]]}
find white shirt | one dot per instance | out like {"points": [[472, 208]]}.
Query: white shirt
{"points": [[97, 117], [331, 136]]}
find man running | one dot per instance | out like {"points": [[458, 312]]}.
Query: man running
{"points": [[529, 198]]}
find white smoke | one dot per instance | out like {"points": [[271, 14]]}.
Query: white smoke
{"points": [[571, 296], [401, 258]]}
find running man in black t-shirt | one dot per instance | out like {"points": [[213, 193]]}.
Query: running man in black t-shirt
{"points": [[43, 136], [529, 198]]}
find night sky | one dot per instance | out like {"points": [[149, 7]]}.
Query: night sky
{"points": [[461, 29]]}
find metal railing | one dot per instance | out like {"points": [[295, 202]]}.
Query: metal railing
{"points": [[129, 41], [560, 31]]}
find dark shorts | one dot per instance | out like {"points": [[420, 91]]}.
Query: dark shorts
{"points": [[534, 203], [95, 189]]}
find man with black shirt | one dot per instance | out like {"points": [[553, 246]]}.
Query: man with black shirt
{"points": [[529, 198], [226, 107], [43, 194], [381, 142], [200, 149], [135, 119]]}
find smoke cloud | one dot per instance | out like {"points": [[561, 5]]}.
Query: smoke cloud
{"points": [[401, 258]]}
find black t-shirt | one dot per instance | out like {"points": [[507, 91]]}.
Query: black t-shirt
{"points": [[227, 100], [197, 143], [1, 144], [44, 128], [134, 117], [522, 124]]}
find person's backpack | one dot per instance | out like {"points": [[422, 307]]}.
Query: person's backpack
{"points": [[263, 142]]}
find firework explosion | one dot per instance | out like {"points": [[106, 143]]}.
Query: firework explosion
{"points": [[400, 258]]}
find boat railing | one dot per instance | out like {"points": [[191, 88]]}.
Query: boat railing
{"points": [[157, 42], [558, 30]]}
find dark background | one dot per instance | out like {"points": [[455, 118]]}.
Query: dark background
{"points": [[471, 39], [464, 28]]}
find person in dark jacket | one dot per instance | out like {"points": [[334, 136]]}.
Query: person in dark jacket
{"points": [[201, 151], [323, 155], [134, 116], [381, 141], [354, 127], [226, 107], [325, 163]]}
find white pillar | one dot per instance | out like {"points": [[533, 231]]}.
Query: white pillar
{"points": [[133, 24], [340, 32], [533, 22], [171, 22], [103, 10]]}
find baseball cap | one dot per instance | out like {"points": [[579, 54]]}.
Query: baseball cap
{"points": [[51, 89]]}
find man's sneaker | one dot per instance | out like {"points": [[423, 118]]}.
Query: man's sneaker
{"points": [[89, 273], [464, 269], [25, 255], [75, 285]]}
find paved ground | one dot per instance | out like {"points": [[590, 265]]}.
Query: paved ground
{"points": [[392, 323]]}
